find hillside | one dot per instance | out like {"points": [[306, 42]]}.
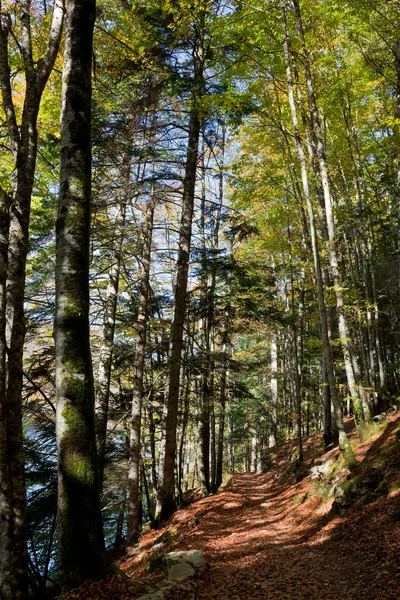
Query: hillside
{"points": [[281, 536]]}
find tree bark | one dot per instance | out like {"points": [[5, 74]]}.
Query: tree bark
{"points": [[165, 493], [6, 505], [137, 392], [104, 369], [273, 431], [80, 536], [23, 143], [343, 440], [350, 359], [222, 399]]}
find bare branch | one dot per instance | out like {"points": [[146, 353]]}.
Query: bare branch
{"points": [[46, 63], [5, 82], [26, 42]]}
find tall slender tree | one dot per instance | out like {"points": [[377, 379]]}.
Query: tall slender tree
{"points": [[138, 385], [343, 440], [15, 213], [166, 488]]}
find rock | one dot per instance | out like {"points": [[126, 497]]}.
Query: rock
{"points": [[339, 492], [379, 418], [180, 571], [315, 473], [193, 557], [342, 499], [332, 491], [165, 584], [158, 547], [322, 468]]}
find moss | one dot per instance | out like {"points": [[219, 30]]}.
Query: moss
{"points": [[395, 485], [298, 499], [81, 539], [78, 461], [382, 487], [346, 487], [337, 466], [366, 431], [347, 453], [358, 411]]}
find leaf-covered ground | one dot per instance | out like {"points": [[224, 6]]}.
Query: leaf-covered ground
{"points": [[272, 537]]}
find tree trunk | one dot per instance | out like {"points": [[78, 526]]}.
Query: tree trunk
{"points": [[222, 401], [137, 392], [343, 440], [185, 421], [80, 535], [152, 435], [23, 143], [203, 418], [107, 345], [273, 431], [350, 359], [119, 538], [165, 493], [6, 506]]}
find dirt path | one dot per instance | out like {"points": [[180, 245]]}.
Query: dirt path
{"points": [[255, 549], [272, 537], [260, 541]]}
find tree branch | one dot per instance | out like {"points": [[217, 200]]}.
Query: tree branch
{"points": [[26, 42], [46, 63], [5, 82]]}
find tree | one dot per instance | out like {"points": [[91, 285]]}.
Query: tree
{"points": [[165, 492], [80, 535], [15, 226]]}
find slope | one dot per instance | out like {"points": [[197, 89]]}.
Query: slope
{"points": [[283, 535]]}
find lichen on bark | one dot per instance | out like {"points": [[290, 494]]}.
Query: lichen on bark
{"points": [[80, 535]]}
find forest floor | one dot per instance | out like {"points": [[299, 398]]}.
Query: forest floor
{"points": [[277, 537]]}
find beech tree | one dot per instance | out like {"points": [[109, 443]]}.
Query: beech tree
{"points": [[80, 535]]}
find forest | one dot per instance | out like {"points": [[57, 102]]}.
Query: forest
{"points": [[199, 261]]}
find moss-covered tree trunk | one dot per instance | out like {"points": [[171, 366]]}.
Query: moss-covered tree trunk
{"points": [[80, 535]]}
